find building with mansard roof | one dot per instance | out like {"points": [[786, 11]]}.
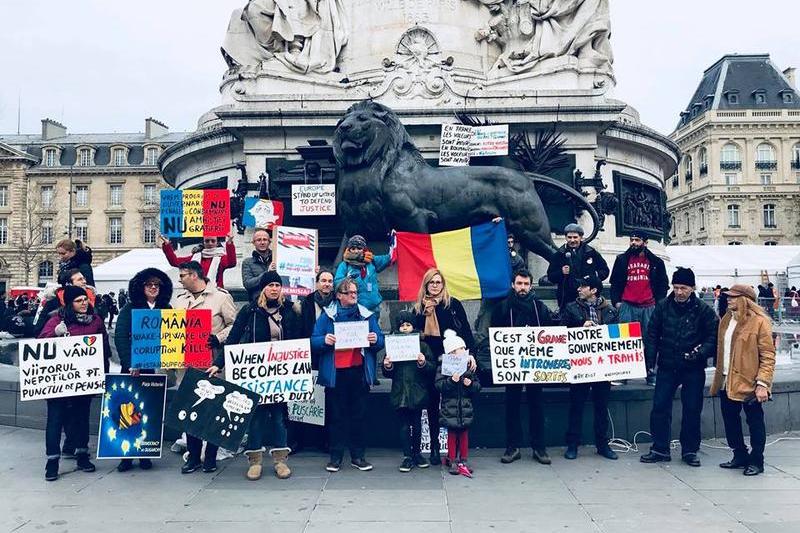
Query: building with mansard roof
{"points": [[739, 177]]}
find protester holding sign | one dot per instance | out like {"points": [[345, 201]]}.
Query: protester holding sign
{"points": [[257, 266], [71, 413], [589, 309], [148, 289], [347, 373], [409, 392], [212, 257], [434, 312], [268, 318], [523, 309]]}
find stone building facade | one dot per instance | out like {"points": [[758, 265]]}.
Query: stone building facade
{"points": [[101, 188], [739, 177]]}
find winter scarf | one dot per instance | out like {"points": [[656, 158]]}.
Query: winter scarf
{"points": [[321, 300], [593, 306], [524, 306], [359, 259], [431, 321], [274, 318], [346, 314]]}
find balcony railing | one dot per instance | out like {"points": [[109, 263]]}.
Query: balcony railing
{"points": [[766, 165], [730, 165]]}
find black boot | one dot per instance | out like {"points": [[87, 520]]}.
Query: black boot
{"points": [[436, 459], [83, 462], [125, 465], [51, 470]]}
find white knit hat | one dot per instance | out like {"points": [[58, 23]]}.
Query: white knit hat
{"points": [[452, 341]]}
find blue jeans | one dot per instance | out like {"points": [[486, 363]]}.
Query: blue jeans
{"points": [[691, 382], [267, 428], [631, 313]]}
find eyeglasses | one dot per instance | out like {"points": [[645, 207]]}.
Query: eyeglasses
{"points": [[152, 284], [435, 282], [351, 293], [184, 274]]}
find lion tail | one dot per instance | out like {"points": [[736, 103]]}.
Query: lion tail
{"points": [[550, 183]]}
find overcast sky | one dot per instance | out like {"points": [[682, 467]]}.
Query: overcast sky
{"points": [[101, 66]]}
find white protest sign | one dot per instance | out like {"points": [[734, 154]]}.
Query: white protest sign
{"points": [[311, 411], [455, 145], [529, 355], [489, 140], [279, 371], [351, 334], [454, 363], [316, 199], [295, 251], [402, 347], [425, 440], [606, 353], [61, 366]]}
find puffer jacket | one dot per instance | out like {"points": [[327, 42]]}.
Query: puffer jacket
{"points": [[676, 329], [577, 313], [369, 294], [409, 380], [457, 409]]}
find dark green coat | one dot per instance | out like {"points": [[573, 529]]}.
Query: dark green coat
{"points": [[457, 411], [409, 381]]}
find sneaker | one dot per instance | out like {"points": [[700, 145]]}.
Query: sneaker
{"points": [[406, 465], [190, 466], [361, 464], [454, 471], [542, 457], [125, 465], [511, 455], [145, 464], [464, 470], [333, 465], [83, 462], [51, 470], [420, 461], [571, 453]]}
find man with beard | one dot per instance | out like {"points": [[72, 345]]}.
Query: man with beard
{"points": [[311, 306], [638, 282], [522, 309], [571, 263]]}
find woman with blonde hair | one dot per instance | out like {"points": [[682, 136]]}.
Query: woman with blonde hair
{"points": [[743, 378], [435, 311]]}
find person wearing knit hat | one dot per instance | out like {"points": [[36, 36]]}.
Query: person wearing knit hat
{"points": [[681, 337], [409, 394], [571, 262]]}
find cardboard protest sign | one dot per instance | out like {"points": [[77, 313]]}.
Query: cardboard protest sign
{"points": [[262, 213], [351, 334], [606, 353], [454, 363], [170, 338], [132, 417], [455, 145], [402, 347], [316, 199], [212, 409], [195, 212], [310, 411], [61, 366], [489, 140], [278, 371]]}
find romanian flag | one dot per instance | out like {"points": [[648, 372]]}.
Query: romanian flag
{"points": [[170, 338], [474, 261], [195, 213], [625, 331]]}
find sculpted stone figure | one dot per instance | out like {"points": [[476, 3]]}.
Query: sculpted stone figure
{"points": [[305, 35], [384, 183]]}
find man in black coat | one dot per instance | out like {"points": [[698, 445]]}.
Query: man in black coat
{"points": [[681, 337], [571, 263], [520, 309]]}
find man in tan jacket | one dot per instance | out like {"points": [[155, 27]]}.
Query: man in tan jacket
{"points": [[743, 379]]}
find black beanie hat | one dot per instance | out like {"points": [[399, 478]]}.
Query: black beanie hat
{"points": [[268, 277], [683, 276], [402, 317], [591, 281], [70, 293]]}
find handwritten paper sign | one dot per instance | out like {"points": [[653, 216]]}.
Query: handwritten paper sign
{"points": [[489, 140], [195, 212], [295, 251], [455, 145], [311, 411], [61, 366], [261, 213], [402, 347], [278, 371], [351, 334], [170, 338], [316, 200], [454, 363]]}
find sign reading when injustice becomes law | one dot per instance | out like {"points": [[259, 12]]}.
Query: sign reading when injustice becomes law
{"points": [[61, 366], [195, 212]]}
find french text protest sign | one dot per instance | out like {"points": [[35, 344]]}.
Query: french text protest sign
{"points": [[566, 355], [211, 409], [402, 347], [351, 334], [170, 338], [278, 371], [453, 363], [455, 145], [489, 140], [262, 213], [195, 212], [311, 411], [61, 366], [132, 416], [314, 200]]}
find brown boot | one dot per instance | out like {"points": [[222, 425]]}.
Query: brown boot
{"points": [[254, 470], [279, 458]]}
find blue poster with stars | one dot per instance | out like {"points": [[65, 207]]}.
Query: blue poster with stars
{"points": [[132, 417]]}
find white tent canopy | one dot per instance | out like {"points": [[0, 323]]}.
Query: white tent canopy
{"points": [[115, 274], [793, 271], [727, 265]]}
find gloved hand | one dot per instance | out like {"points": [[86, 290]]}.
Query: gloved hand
{"points": [[368, 256], [61, 329]]}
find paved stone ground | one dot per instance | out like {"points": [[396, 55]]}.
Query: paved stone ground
{"points": [[590, 494]]}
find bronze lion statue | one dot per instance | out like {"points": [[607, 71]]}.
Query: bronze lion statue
{"points": [[384, 183]]}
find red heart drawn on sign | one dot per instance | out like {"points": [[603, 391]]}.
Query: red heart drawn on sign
{"points": [[88, 341]]}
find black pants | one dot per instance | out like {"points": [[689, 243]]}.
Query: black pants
{"points": [[578, 394], [195, 447], [535, 416], [410, 430], [348, 406], [70, 414], [434, 397], [691, 381], [731, 416]]}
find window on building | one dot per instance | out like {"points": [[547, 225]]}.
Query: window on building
{"points": [[82, 196], [731, 178], [733, 216], [769, 216], [3, 195], [50, 157], [115, 195], [733, 97], [702, 217], [675, 181], [730, 157], [735, 243], [149, 194], [82, 229], [766, 178], [703, 157], [45, 271], [796, 157], [760, 98], [788, 97], [119, 157], [85, 157], [3, 231], [686, 223], [46, 196], [149, 230], [765, 157], [115, 230], [771, 243], [687, 167], [151, 158], [47, 231]]}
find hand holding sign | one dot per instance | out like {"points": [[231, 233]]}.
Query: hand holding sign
{"points": [[454, 364]]}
